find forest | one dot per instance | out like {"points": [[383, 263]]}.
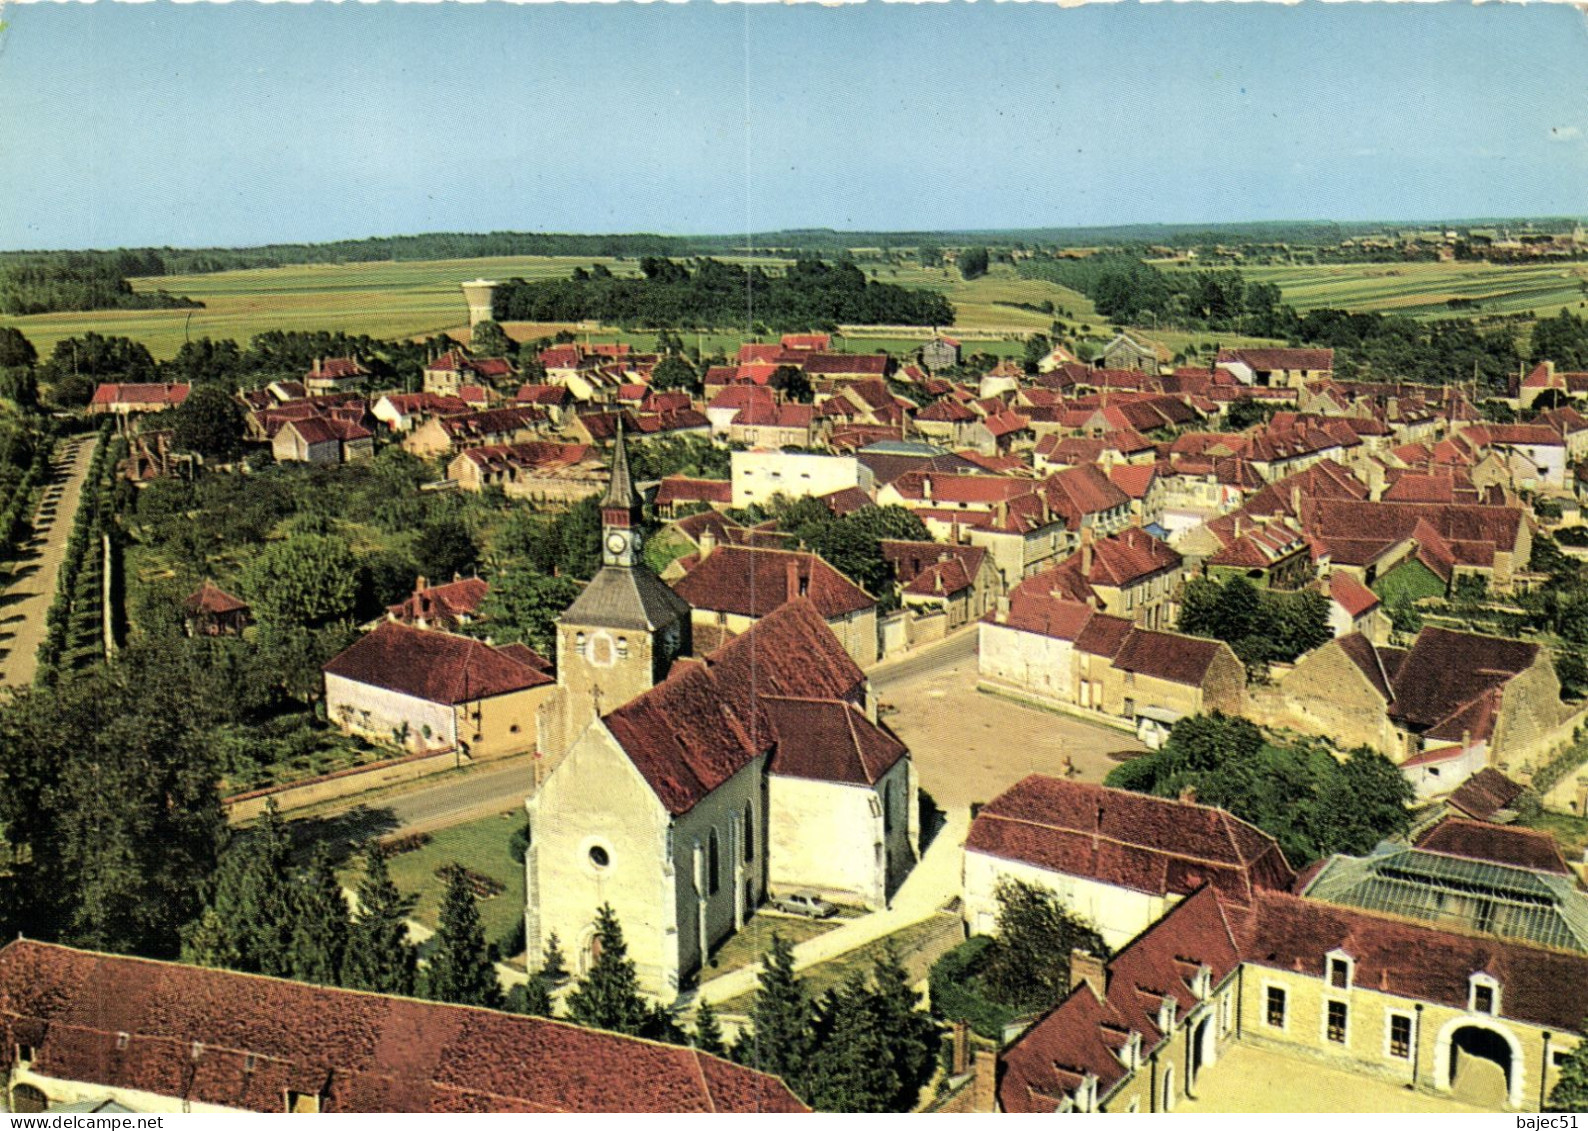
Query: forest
{"points": [[811, 294], [56, 281]]}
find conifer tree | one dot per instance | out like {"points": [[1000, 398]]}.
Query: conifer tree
{"points": [[779, 1039], [608, 997], [248, 922], [380, 956], [461, 967], [533, 997], [853, 1067], [553, 965], [320, 926], [911, 1035], [708, 1033]]}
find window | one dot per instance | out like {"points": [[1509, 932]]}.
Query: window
{"points": [[25, 1054], [1400, 1036], [1339, 972], [749, 833], [713, 865], [1483, 994], [1335, 1021], [1274, 1012], [599, 856]]}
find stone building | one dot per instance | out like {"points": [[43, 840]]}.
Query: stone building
{"points": [[760, 767]]}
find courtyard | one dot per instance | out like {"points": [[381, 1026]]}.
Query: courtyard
{"points": [[1248, 1079]]}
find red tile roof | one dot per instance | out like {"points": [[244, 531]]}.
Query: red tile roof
{"points": [[1498, 844], [752, 582], [1131, 840], [165, 396], [829, 740], [1484, 794], [214, 600], [1263, 360], [682, 489], [434, 666], [1350, 594], [243, 1041], [448, 603]]}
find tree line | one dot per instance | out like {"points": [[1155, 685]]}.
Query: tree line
{"points": [[810, 294], [46, 282]]}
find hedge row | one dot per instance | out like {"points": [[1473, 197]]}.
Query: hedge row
{"points": [[955, 996], [16, 517], [74, 635]]}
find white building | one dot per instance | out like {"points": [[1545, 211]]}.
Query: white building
{"points": [[758, 476]]}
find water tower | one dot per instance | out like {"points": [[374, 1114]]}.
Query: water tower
{"points": [[478, 295]]}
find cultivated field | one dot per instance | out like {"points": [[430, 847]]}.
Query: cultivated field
{"points": [[1424, 290]]}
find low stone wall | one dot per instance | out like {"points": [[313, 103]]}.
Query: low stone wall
{"points": [[344, 783], [1058, 707]]}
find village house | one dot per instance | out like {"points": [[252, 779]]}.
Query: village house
{"points": [[677, 494], [322, 440], [447, 607], [1443, 709], [961, 581], [133, 400], [1353, 607], [1063, 653], [100, 1032], [1287, 368], [445, 375], [554, 400], [1375, 997], [336, 375], [444, 435], [761, 476], [425, 690], [1131, 575], [729, 588], [1116, 860], [212, 611], [539, 470], [1129, 351], [680, 808], [402, 412]]}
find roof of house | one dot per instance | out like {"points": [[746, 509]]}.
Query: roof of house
{"points": [[1169, 656], [1131, 840], [1497, 844], [682, 489], [211, 598], [434, 666], [1484, 794], [459, 598], [1445, 670], [1350, 594], [146, 394], [243, 1041], [750, 581], [829, 740], [1276, 358]]}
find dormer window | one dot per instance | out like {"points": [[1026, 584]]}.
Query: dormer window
{"points": [[1483, 994], [1166, 1015], [1341, 969], [1202, 983], [1130, 1055]]}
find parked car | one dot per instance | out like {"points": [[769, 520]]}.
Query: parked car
{"points": [[805, 903]]}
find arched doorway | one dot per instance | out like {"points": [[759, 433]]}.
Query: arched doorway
{"points": [[28, 1100], [1201, 1050], [1480, 1062]]}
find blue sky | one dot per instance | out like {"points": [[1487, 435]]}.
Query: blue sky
{"points": [[134, 124]]}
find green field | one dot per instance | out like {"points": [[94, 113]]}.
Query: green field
{"points": [[1423, 290]]}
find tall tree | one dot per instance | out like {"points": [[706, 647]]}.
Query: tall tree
{"points": [[524, 604], [320, 926], [307, 580], [673, 372], [444, 548], [609, 997], [779, 1039], [209, 422], [853, 1069], [911, 1035], [380, 956], [973, 263], [488, 339], [247, 924], [461, 967], [1028, 964], [708, 1031]]}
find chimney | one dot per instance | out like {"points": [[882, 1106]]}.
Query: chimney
{"points": [[422, 584], [1001, 614], [961, 1062], [926, 486], [1188, 794], [1237, 526], [708, 542], [1086, 967], [1295, 498], [793, 578], [984, 1088], [316, 367], [1086, 555]]}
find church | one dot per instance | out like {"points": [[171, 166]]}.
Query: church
{"points": [[683, 792]]}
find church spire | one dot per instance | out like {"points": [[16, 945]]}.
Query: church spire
{"points": [[621, 494]]}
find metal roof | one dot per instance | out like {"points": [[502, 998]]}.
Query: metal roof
{"points": [[1514, 903]]}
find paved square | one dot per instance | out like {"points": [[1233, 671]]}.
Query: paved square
{"points": [[970, 746]]}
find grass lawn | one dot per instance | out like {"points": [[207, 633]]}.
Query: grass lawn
{"points": [[1572, 832], [480, 846], [917, 946], [756, 939]]}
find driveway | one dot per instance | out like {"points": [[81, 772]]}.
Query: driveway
{"points": [[31, 583]]}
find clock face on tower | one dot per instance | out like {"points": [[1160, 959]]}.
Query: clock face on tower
{"points": [[616, 543]]}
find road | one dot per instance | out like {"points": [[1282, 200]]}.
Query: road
{"points": [[889, 673], [480, 792], [27, 598]]}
